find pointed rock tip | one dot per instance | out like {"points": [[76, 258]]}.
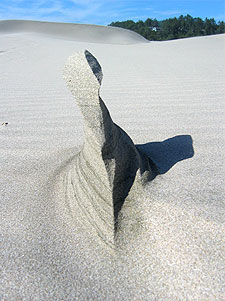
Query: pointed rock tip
{"points": [[94, 65]]}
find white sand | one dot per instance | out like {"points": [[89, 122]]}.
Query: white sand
{"points": [[172, 247]]}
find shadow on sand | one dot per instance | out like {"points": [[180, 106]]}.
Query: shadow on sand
{"points": [[163, 155]]}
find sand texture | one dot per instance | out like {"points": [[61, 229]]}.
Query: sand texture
{"points": [[109, 167], [169, 98]]}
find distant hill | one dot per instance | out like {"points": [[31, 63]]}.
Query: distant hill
{"points": [[72, 31], [173, 28]]}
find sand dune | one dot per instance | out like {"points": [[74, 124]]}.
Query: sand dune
{"points": [[167, 96], [76, 32]]}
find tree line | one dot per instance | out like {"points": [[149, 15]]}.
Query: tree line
{"points": [[173, 28]]}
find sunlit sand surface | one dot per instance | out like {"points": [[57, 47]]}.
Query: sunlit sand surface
{"points": [[169, 98]]}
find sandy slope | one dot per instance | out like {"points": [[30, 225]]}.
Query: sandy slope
{"points": [[76, 32], [172, 245]]}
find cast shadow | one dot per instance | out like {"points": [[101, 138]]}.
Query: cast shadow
{"points": [[163, 155], [159, 156]]}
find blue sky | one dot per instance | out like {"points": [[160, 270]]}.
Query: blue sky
{"points": [[103, 12]]}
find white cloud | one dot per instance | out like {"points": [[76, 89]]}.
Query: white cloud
{"points": [[91, 11], [168, 12], [61, 11]]}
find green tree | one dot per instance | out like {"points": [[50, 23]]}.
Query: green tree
{"points": [[173, 28], [149, 22], [210, 26], [221, 27]]}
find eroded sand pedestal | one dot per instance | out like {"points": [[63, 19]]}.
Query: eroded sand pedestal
{"points": [[103, 173]]}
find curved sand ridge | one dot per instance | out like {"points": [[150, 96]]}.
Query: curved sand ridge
{"points": [[77, 32], [102, 174]]}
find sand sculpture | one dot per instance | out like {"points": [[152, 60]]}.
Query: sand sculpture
{"points": [[109, 169]]}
